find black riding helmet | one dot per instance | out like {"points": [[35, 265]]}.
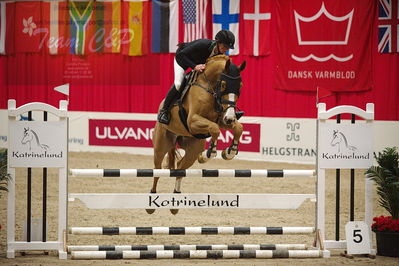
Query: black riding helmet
{"points": [[226, 37]]}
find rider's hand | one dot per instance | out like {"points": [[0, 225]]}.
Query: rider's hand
{"points": [[199, 67]]}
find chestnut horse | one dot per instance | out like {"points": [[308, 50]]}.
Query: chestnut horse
{"points": [[210, 105]]}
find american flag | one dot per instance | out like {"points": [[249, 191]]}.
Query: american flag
{"points": [[194, 19], [388, 28]]}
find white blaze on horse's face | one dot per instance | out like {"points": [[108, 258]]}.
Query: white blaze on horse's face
{"points": [[230, 114]]}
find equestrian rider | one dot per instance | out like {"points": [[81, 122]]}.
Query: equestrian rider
{"points": [[194, 55]]}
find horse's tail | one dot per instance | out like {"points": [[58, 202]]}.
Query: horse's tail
{"points": [[172, 158]]}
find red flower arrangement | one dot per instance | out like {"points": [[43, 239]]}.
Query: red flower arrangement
{"points": [[385, 224]]}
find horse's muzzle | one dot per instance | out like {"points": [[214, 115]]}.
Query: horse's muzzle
{"points": [[229, 121]]}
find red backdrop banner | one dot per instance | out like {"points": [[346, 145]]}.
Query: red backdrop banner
{"points": [[115, 82], [324, 44]]}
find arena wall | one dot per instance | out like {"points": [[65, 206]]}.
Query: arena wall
{"points": [[266, 139]]}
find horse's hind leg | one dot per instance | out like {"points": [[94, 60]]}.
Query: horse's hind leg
{"points": [[192, 148], [178, 191], [157, 165], [159, 154], [163, 141]]}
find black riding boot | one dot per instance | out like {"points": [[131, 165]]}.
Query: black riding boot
{"points": [[164, 116]]}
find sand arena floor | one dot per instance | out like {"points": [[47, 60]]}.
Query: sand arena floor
{"points": [[79, 215]]}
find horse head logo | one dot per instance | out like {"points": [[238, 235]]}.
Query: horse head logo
{"points": [[31, 136], [341, 142]]}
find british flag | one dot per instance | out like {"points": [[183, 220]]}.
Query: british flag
{"points": [[194, 19], [388, 26]]}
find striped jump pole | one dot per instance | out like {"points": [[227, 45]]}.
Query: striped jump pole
{"points": [[190, 173], [190, 230], [197, 254], [187, 247]]}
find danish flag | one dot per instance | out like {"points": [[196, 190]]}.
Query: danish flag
{"points": [[388, 28]]}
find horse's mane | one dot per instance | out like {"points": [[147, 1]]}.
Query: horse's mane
{"points": [[344, 138], [233, 70], [36, 137], [218, 57]]}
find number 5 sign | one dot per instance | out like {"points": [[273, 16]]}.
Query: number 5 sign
{"points": [[358, 238]]}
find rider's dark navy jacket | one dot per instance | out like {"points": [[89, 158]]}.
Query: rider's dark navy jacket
{"points": [[188, 55]]}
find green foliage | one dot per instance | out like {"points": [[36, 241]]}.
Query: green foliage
{"points": [[386, 177], [4, 176]]}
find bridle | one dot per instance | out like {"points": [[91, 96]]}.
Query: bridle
{"points": [[233, 85]]}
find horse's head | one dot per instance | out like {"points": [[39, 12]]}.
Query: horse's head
{"points": [[227, 79], [27, 136], [336, 138]]}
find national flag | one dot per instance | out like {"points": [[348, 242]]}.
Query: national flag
{"points": [[256, 16], [225, 15], [388, 28], [108, 26], [27, 26], [55, 27], [135, 28], [82, 26], [194, 19], [7, 31], [165, 26]]}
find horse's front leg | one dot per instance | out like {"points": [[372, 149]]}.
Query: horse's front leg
{"points": [[230, 152], [201, 125], [208, 154]]}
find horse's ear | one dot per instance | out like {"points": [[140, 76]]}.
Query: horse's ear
{"points": [[227, 66], [242, 66]]}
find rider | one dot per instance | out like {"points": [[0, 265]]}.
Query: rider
{"points": [[194, 55]]}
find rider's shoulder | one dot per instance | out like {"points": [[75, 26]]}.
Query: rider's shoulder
{"points": [[202, 41]]}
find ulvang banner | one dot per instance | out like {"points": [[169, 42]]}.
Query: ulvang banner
{"points": [[324, 44], [138, 133]]}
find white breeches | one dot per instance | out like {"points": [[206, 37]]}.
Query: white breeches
{"points": [[179, 75]]}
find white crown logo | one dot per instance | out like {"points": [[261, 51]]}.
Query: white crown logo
{"points": [[303, 21]]}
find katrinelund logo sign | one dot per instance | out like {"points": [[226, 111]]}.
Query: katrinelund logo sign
{"points": [[33, 148], [340, 141], [37, 144], [30, 136], [345, 146]]}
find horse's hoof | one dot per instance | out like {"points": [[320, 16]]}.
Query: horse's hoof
{"points": [[150, 211], [226, 156], [174, 211], [201, 159]]}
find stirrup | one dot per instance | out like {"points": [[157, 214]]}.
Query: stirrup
{"points": [[164, 117]]}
